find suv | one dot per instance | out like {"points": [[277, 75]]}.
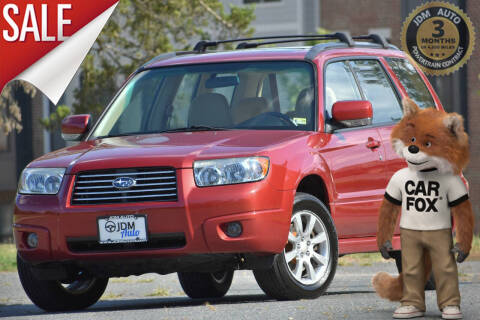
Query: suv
{"points": [[269, 159]]}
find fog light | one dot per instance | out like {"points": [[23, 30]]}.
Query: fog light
{"points": [[32, 240], [234, 229]]}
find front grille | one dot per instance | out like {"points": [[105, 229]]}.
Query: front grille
{"points": [[155, 241], [151, 184]]}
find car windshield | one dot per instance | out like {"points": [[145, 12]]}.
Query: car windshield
{"points": [[223, 96]]}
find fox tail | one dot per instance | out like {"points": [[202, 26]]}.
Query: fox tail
{"points": [[387, 286]]}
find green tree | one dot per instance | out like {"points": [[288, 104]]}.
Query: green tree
{"points": [[10, 115], [140, 30]]}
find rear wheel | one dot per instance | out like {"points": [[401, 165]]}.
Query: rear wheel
{"points": [[53, 295], [201, 285], [308, 263]]}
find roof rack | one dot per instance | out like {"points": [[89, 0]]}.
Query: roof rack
{"points": [[202, 45], [376, 38], [344, 40]]}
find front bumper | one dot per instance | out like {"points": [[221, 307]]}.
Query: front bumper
{"points": [[191, 225]]}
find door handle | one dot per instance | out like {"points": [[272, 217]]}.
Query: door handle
{"points": [[372, 143]]}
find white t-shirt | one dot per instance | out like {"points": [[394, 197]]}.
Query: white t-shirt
{"points": [[425, 197]]}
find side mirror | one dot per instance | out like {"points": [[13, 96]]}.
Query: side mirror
{"points": [[355, 113], [74, 127]]}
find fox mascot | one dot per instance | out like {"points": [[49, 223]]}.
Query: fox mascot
{"points": [[427, 193]]}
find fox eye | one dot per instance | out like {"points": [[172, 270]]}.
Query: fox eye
{"points": [[413, 139], [428, 144]]}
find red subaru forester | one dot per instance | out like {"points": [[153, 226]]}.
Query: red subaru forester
{"points": [[269, 159]]}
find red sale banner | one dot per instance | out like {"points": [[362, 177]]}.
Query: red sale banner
{"points": [[44, 42]]}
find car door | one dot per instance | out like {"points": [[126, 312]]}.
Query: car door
{"points": [[355, 158]]}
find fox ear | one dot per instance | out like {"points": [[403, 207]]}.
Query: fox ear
{"points": [[410, 108], [454, 124]]}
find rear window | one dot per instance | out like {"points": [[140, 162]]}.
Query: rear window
{"points": [[412, 82]]}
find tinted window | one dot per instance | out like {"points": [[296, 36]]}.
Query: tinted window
{"points": [[182, 100], [377, 89], [412, 82], [339, 85], [290, 85]]}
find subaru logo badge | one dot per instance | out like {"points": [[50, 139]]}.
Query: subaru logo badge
{"points": [[123, 182]]}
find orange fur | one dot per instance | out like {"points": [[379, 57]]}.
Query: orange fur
{"points": [[387, 220], [428, 125], [464, 220], [387, 286]]}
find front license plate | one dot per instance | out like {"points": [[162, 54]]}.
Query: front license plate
{"points": [[119, 229]]}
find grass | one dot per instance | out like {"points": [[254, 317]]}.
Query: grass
{"points": [[362, 259], [159, 292], [8, 257], [131, 280], [111, 296]]}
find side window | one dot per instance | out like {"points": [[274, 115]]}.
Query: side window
{"points": [[412, 82], [377, 89], [339, 85]]}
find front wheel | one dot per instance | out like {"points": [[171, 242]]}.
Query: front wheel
{"points": [[52, 295], [202, 285], [308, 263]]}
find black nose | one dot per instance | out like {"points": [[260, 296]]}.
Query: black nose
{"points": [[413, 149]]}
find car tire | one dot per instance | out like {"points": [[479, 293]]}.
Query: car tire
{"points": [[397, 255], [52, 295], [202, 285], [307, 265]]}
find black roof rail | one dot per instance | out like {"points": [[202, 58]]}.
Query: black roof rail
{"points": [[345, 40], [202, 45], [164, 56], [376, 38]]}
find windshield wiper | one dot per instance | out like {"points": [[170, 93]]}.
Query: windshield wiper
{"points": [[118, 135], [196, 128], [183, 129]]}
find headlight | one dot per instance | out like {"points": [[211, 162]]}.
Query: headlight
{"points": [[41, 180], [230, 171]]}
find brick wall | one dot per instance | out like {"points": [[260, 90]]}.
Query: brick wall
{"points": [[473, 72], [338, 15]]}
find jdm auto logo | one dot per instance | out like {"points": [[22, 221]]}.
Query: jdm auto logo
{"points": [[123, 182], [439, 36], [110, 226]]}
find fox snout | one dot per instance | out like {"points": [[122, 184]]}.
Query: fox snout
{"points": [[413, 149]]}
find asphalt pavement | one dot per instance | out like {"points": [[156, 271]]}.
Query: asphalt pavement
{"points": [[151, 296]]}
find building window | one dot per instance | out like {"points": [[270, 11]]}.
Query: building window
{"points": [[3, 142], [259, 1]]}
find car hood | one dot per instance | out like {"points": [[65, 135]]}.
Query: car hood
{"points": [[177, 150]]}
